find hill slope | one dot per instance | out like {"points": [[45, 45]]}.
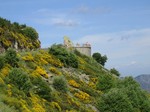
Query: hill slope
{"points": [[61, 80], [144, 81], [17, 36]]}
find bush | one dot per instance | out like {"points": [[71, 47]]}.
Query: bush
{"points": [[11, 57], [2, 62], [66, 57], [42, 88], [114, 101], [60, 84], [20, 79], [115, 72], [105, 82]]}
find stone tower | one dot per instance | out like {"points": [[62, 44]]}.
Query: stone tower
{"points": [[84, 49]]}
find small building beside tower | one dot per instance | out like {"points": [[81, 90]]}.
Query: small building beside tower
{"points": [[82, 48]]}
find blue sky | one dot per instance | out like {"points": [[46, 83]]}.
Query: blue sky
{"points": [[118, 28]]}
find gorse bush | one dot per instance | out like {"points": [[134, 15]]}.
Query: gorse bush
{"points": [[60, 84], [11, 57], [66, 57], [20, 79], [41, 88]]}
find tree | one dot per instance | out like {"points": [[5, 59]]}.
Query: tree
{"points": [[115, 72], [114, 101], [99, 58], [30, 32]]}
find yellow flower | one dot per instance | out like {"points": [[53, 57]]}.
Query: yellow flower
{"points": [[73, 83]]}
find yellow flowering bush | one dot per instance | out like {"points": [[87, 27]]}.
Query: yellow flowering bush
{"points": [[1, 81], [81, 61], [24, 106], [5, 70], [51, 59], [28, 57], [94, 80], [56, 105], [92, 85], [73, 83], [37, 105], [54, 70], [41, 71], [82, 95], [9, 90]]}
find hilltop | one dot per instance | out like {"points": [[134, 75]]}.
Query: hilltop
{"points": [[62, 79], [144, 81], [18, 36]]}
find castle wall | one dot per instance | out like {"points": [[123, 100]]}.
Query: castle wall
{"points": [[84, 50]]}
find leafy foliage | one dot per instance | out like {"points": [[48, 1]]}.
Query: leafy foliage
{"points": [[105, 82], [30, 32], [114, 71], [11, 57], [17, 36], [67, 58], [41, 88], [99, 58], [20, 79], [2, 62], [60, 84], [114, 101]]}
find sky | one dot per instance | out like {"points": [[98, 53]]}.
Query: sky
{"points": [[119, 29]]}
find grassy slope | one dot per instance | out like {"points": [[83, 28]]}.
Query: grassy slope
{"points": [[81, 95]]}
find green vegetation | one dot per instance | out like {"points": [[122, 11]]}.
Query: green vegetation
{"points": [[67, 58], [63, 80], [99, 58], [115, 72], [60, 84], [11, 57], [17, 36]]}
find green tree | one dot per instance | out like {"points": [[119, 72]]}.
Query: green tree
{"points": [[60, 84], [20, 79], [115, 72], [30, 32], [99, 58], [137, 97], [11, 57], [114, 101]]}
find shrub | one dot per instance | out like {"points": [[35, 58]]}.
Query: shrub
{"points": [[54, 70], [41, 88], [114, 101], [2, 62], [11, 57], [60, 84], [105, 82], [20, 79], [73, 83], [66, 57], [115, 72]]}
